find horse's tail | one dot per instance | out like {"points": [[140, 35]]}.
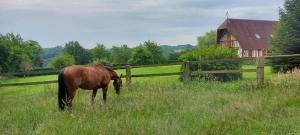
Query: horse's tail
{"points": [[62, 91]]}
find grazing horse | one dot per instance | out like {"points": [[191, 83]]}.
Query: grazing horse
{"points": [[86, 77]]}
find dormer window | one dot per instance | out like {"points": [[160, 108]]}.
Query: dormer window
{"points": [[257, 36]]}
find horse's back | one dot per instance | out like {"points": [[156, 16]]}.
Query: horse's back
{"points": [[86, 77]]}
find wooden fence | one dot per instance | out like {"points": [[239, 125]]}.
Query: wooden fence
{"points": [[186, 72]]}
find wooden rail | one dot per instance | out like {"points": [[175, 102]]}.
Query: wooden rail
{"points": [[54, 72], [31, 73], [222, 71], [161, 74], [27, 83]]}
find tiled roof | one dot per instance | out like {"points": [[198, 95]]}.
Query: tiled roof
{"points": [[251, 34]]}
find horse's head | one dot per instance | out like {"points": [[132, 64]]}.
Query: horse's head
{"points": [[118, 84]]}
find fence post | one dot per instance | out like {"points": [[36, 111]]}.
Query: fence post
{"points": [[186, 72], [128, 74], [260, 70]]}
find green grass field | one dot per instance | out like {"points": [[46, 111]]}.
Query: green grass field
{"points": [[157, 105]]}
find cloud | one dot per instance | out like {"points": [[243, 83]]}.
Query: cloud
{"points": [[112, 22]]}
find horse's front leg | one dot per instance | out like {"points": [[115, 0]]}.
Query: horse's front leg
{"points": [[94, 95], [104, 90]]}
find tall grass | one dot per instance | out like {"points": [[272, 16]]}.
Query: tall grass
{"points": [[159, 105]]}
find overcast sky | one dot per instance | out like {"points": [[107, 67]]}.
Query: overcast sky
{"points": [[116, 22]]}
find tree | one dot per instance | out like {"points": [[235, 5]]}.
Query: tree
{"points": [[208, 39], [81, 55], [99, 52], [141, 56], [14, 44], [26, 64], [286, 39], [62, 61], [120, 55], [34, 51], [4, 55], [155, 52], [13, 51]]}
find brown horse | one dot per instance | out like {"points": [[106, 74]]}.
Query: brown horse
{"points": [[86, 77]]}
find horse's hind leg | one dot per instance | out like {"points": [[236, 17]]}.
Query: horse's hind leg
{"points": [[70, 97], [94, 95], [69, 101]]}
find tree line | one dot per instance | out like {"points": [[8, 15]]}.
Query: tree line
{"points": [[17, 54], [148, 52]]}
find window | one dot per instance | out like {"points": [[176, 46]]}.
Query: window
{"points": [[257, 36]]}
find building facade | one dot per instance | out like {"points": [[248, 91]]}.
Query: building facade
{"points": [[249, 37]]}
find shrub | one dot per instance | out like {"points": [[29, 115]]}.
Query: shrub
{"points": [[206, 53], [62, 61], [102, 61], [140, 56], [25, 64]]}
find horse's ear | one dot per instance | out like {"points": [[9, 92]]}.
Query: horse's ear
{"points": [[121, 75]]}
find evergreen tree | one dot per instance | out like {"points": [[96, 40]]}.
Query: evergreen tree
{"points": [[286, 39]]}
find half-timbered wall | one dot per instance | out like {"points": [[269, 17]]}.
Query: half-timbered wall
{"points": [[252, 53], [230, 41]]}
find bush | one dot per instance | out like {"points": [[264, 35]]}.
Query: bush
{"points": [[102, 61], [26, 64], [206, 53], [140, 56], [286, 64], [62, 61]]}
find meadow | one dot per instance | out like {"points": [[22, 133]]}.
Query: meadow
{"points": [[158, 105]]}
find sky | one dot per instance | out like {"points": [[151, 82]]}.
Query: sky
{"points": [[131, 22]]}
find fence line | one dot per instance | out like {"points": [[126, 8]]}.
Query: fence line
{"points": [[27, 83], [186, 74], [54, 72]]}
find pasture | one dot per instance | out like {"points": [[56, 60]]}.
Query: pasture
{"points": [[158, 105]]}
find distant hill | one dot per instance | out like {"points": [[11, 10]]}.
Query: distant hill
{"points": [[167, 49], [51, 52]]}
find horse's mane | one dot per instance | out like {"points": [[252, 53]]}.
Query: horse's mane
{"points": [[108, 68]]}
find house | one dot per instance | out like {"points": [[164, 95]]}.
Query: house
{"points": [[250, 37]]}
